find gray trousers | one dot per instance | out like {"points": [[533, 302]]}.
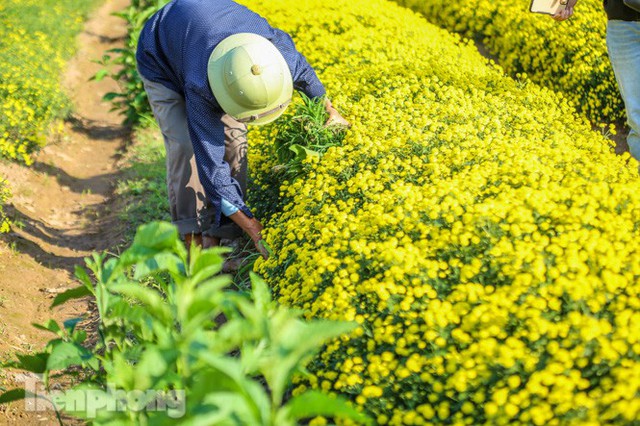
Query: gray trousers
{"points": [[191, 210]]}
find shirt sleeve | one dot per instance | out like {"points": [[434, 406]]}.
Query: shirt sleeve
{"points": [[207, 137], [227, 208], [304, 76]]}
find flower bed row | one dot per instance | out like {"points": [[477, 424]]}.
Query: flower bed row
{"points": [[482, 235], [37, 37], [4, 196], [569, 57]]}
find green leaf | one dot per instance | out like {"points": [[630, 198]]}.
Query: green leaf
{"points": [[66, 354], [231, 410], [207, 264], [314, 403], [50, 325], [120, 309], [226, 378], [82, 275], [70, 324], [266, 246], [212, 287], [153, 239], [232, 334], [74, 293], [117, 49], [120, 371], [104, 299], [100, 75], [204, 303], [156, 235], [160, 262], [13, 395], [302, 152], [153, 364], [149, 298], [79, 336], [111, 96], [294, 344], [236, 301], [36, 363], [96, 409], [252, 353], [261, 294], [309, 336]]}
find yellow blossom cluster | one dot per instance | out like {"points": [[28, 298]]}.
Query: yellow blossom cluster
{"points": [[37, 36], [4, 196], [487, 241], [569, 56]]}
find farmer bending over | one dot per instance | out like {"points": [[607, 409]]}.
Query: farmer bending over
{"points": [[209, 68]]}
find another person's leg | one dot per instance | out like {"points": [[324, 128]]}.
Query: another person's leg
{"points": [[623, 42], [190, 209]]}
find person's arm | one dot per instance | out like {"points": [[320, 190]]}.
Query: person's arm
{"points": [[567, 12], [207, 138], [304, 76], [251, 226]]}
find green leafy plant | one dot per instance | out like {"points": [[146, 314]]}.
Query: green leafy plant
{"points": [[120, 64], [299, 140], [304, 135], [167, 324]]}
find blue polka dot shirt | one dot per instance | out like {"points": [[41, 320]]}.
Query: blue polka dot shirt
{"points": [[174, 49]]}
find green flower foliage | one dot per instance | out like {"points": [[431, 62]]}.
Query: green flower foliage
{"points": [[120, 64], [160, 330]]}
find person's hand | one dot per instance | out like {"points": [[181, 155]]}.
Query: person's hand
{"points": [[253, 228], [254, 231], [567, 12], [334, 116]]}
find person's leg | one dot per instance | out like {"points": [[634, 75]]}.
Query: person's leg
{"points": [[623, 43], [190, 209], [236, 147]]}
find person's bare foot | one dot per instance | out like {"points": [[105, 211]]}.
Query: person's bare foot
{"points": [[231, 265], [208, 242], [195, 239]]}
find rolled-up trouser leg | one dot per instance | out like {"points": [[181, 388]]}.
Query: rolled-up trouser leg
{"points": [[190, 208]]}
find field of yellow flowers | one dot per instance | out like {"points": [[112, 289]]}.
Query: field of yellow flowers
{"points": [[569, 57], [4, 196], [483, 236], [37, 37]]}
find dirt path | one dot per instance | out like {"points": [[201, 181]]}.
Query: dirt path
{"points": [[61, 206]]}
